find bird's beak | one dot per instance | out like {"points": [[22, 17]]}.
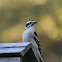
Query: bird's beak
{"points": [[35, 22]]}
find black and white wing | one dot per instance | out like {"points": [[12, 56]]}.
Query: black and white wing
{"points": [[37, 41]]}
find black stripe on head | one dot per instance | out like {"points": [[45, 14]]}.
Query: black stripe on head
{"points": [[28, 24]]}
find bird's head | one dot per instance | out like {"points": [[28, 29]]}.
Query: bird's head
{"points": [[30, 24]]}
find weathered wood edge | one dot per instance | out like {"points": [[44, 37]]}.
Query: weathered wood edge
{"points": [[23, 52], [19, 44], [25, 46]]}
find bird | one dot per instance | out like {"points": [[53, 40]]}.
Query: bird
{"points": [[30, 35]]}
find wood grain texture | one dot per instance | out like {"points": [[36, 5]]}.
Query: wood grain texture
{"points": [[18, 52]]}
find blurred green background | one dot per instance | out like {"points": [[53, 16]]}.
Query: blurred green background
{"points": [[15, 13]]}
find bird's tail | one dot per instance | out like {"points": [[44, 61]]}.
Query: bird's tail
{"points": [[40, 56]]}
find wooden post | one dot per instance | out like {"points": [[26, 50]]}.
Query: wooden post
{"points": [[18, 52]]}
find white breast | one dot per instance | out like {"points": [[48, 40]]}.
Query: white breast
{"points": [[27, 35]]}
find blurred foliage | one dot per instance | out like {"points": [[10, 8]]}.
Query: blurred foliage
{"points": [[15, 13]]}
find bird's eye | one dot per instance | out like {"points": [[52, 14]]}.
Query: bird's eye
{"points": [[30, 22]]}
